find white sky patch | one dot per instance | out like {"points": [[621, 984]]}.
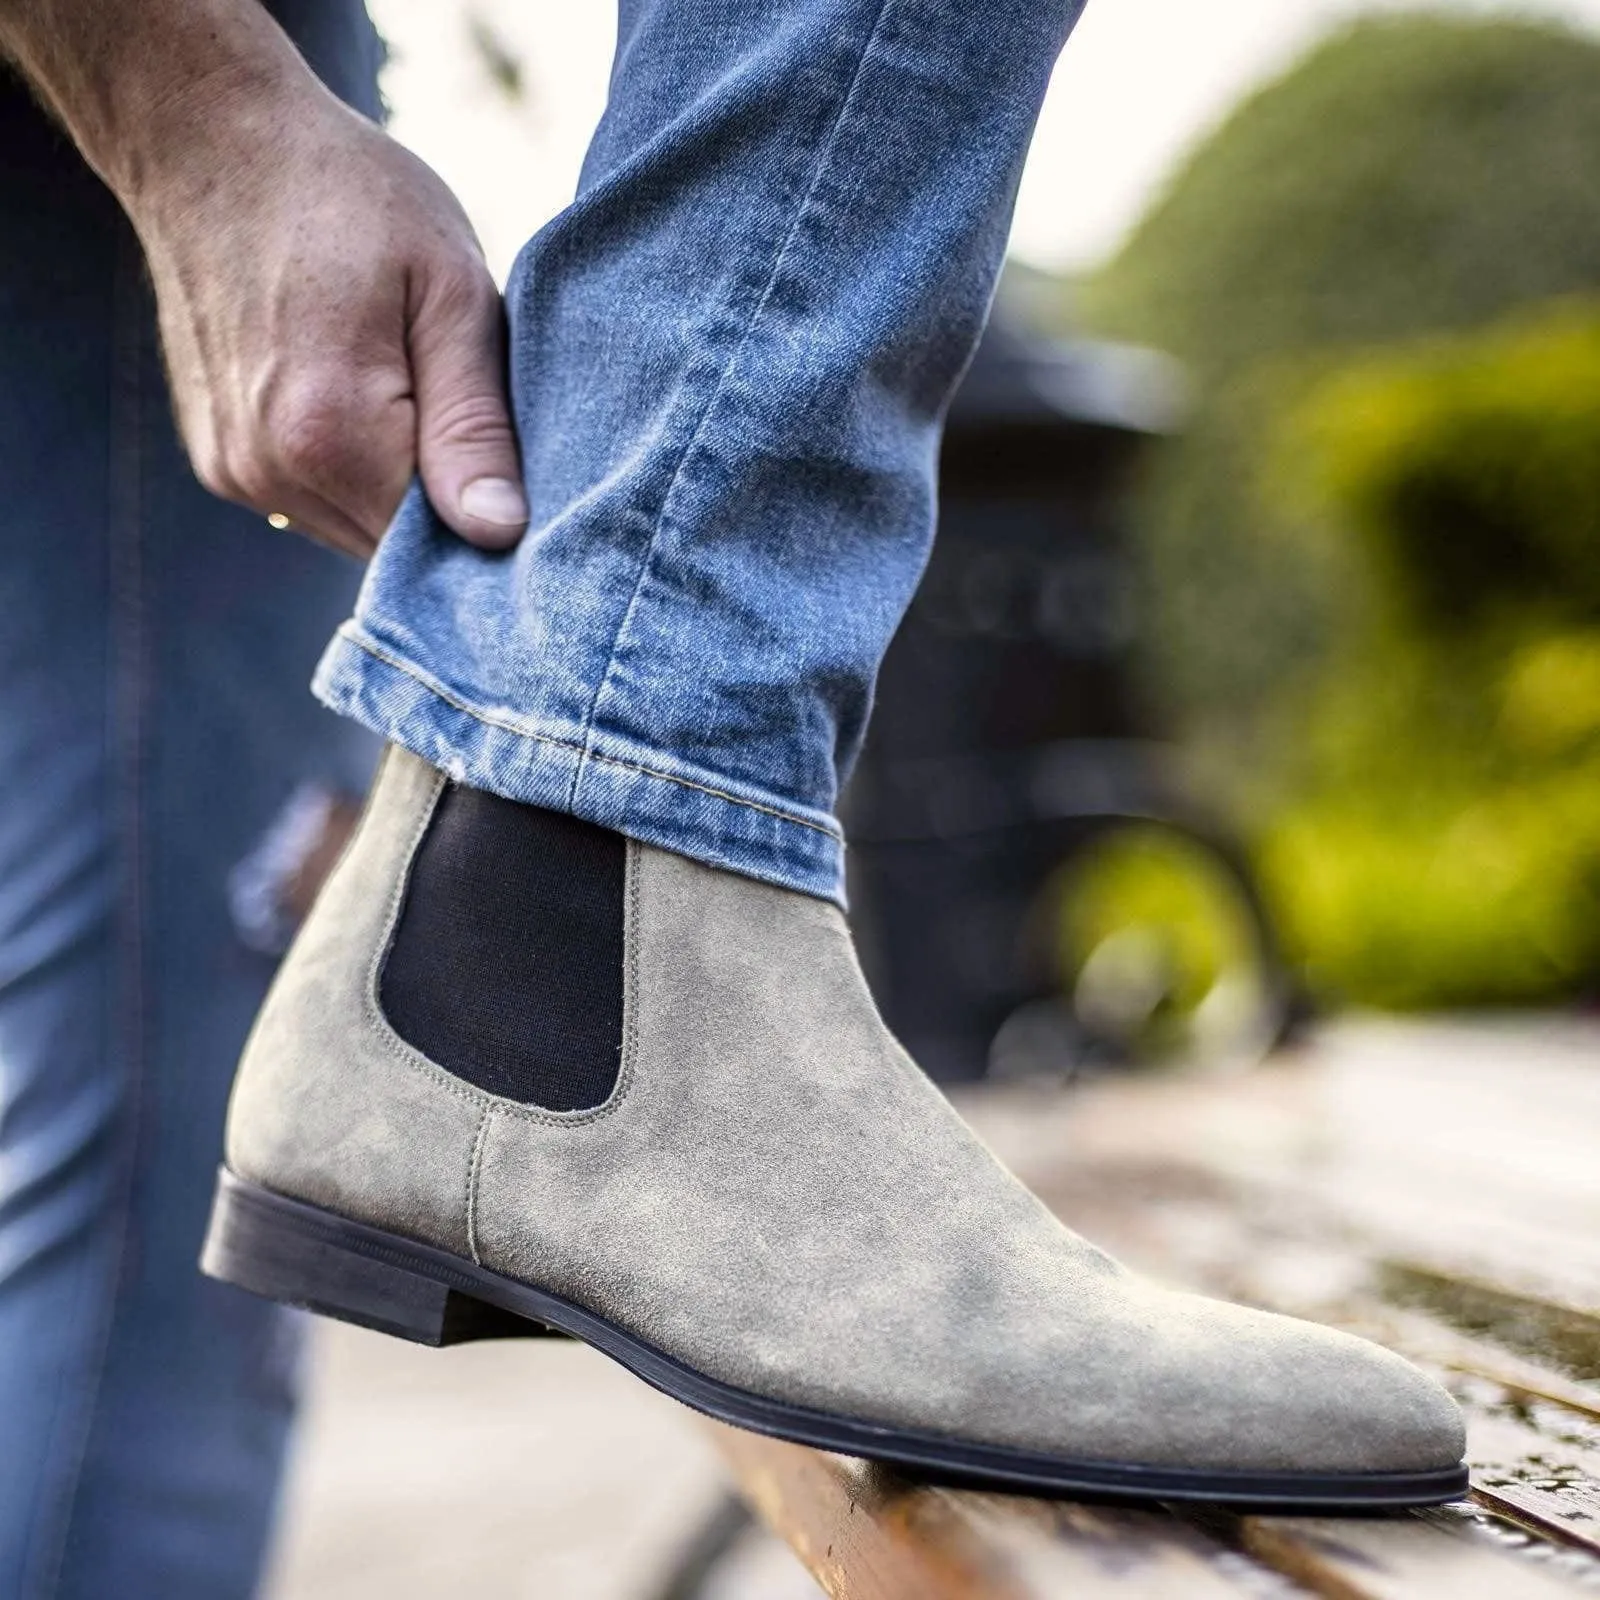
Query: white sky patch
{"points": [[1140, 81]]}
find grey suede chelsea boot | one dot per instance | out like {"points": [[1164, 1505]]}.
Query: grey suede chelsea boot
{"points": [[749, 1196]]}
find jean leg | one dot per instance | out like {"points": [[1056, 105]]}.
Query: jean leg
{"points": [[153, 720], [730, 359]]}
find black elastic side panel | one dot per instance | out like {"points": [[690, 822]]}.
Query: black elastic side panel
{"points": [[506, 968]]}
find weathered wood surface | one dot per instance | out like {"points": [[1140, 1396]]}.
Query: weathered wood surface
{"points": [[1435, 1189], [1396, 1558], [868, 1533]]}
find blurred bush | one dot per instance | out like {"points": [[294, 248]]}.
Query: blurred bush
{"points": [[1413, 171], [1372, 565], [1470, 469], [1440, 840]]}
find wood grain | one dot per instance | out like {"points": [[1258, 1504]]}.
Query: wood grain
{"points": [[865, 1533], [1538, 1477], [1395, 1558], [1565, 1334]]}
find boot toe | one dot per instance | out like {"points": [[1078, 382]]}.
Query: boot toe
{"points": [[1253, 1391]]}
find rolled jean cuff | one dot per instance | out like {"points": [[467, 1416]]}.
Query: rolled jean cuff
{"points": [[641, 792]]}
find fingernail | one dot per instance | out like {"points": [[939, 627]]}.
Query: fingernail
{"points": [[496, 500]]}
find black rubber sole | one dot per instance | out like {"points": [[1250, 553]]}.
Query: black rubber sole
{"points": [[304, 1256]]}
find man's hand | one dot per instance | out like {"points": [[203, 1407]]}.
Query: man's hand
{"points": [[329, 325]]}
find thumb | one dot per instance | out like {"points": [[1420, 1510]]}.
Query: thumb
{"points": [[466, 449]]}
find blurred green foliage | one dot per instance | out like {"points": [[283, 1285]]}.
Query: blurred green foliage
{"points": [[1439, 842], [1441, 845], [1373, 562], [1158, 946], [1470, 469]]}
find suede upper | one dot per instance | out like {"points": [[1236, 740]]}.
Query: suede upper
{"points": [[775, 1195]]}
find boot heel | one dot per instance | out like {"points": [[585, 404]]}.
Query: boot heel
{"points": [[302, 1257]]}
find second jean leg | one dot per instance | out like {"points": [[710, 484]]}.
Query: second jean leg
{"points": [[730, 358], [153, 722]]}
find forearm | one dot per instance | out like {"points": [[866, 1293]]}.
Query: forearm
{"points": [[146, 88]]}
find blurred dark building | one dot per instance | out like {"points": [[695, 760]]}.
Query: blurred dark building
{"points": [[1007, 727]]}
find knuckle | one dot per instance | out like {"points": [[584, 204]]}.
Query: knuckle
{"points": [[315, 433]]}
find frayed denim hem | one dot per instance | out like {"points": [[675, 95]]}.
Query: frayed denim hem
{"points": [[643, 793]]}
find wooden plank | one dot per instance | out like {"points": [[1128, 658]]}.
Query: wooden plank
{"points": [[1565, 1334], [1436, 1344], [1557, 1504], [866, 1533], [1416, 1557], [1539, 1477], [1465, 1147], [1068, 1550], [854, 1533]]}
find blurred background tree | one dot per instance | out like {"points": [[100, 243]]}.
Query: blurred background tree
{"points": [[1372, 562], [1438, 840]]}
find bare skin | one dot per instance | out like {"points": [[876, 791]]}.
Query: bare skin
{"points": [[329, 324]]}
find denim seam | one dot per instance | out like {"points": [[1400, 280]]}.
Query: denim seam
{"points": [[584, 753], [407, 1055], [830, 140]]}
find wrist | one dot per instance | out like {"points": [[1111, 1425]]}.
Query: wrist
{"points": [[160, 110], [195, 136]]}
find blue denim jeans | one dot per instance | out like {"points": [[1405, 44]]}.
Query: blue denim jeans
{"points": [[154, 647], [730, 359]]}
